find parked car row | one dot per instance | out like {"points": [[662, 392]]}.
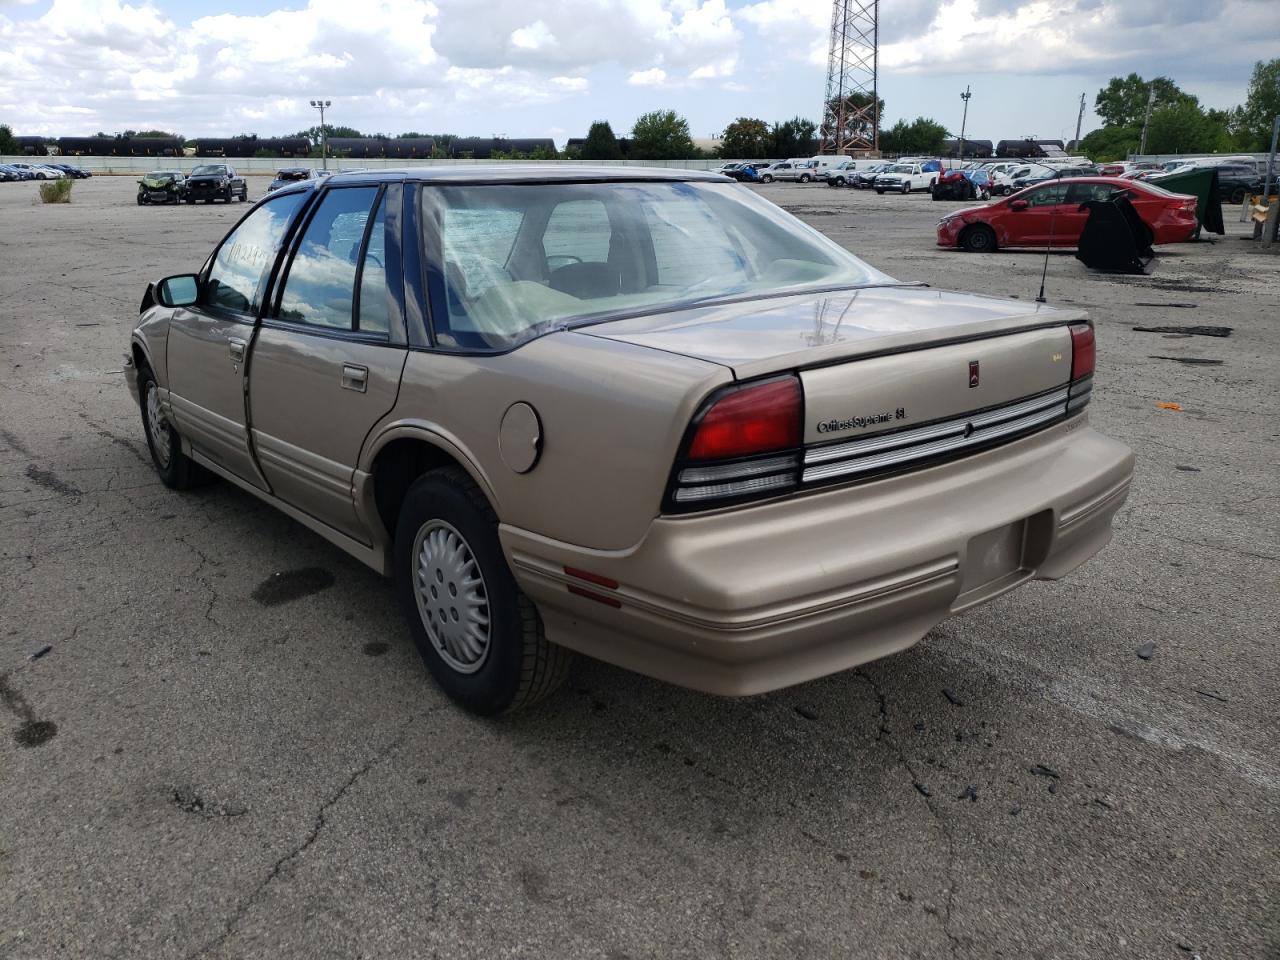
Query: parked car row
{"points": [[207, 182], [13, 172]]}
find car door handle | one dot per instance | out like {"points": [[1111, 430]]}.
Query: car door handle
{"points": [[236, 346], [355, 377]]}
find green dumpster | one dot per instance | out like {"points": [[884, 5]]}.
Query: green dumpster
{"points": [[1202, 183]]}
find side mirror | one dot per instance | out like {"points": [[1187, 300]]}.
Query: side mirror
{"points": [[1018, 204], [180, 291]]}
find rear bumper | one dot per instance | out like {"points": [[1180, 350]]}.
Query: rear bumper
{"points": [[753, 599]]}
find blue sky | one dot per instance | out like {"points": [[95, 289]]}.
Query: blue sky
{"points": [[550, 67]]}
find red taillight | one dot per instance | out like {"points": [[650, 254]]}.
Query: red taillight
{"points": [[1083, 351], [754, 419]]}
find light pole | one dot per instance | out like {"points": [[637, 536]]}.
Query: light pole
{"points": [[965, 119], [324, 139]]}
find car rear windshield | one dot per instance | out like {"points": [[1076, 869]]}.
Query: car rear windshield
{"points": [[292, 174], [209, 170], [521, 260]]}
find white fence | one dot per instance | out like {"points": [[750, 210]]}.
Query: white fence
{"points": [[269, 165]]}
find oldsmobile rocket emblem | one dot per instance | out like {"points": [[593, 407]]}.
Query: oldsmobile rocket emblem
{"points": [[973, 373]]}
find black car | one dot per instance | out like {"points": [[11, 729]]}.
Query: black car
{"points": [[75, 173], [215, 181], [161, 186], [1236, 181], [291, 175]]}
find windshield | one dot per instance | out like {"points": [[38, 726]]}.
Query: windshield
{"points": [[209, 170], [900, 168], [522, 260]]}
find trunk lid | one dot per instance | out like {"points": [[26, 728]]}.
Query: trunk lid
{"points": [[880, 359]]}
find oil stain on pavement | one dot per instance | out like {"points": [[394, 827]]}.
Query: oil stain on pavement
{"points": [[32, 732]]}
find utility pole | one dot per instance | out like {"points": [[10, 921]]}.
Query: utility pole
{"points": [[1079, 120], [324, 138], [1151, 101], [965, 119]]}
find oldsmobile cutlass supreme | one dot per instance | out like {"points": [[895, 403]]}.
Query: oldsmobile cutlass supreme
{"points": [[640, 414]]}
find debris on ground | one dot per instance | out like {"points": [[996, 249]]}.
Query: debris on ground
{"points": [[970, 793], [1015, 809], [1212, 696], [1040, 770], [41, 652], [1146, 651], [1165, 405], [1193, 361], [1185, 469], [806, 713], [950, 695], [924, 791], [1190, 331]]}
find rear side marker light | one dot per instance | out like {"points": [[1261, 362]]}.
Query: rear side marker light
{"points": [[592, 595], [597, 579]]}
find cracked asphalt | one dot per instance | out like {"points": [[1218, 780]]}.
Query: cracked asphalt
{"points": [[229, 747]]}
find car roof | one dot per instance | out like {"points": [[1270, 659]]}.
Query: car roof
{"points": [[515, 173]]}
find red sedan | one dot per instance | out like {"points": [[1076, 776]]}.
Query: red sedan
{"points": [[1049, 215]]}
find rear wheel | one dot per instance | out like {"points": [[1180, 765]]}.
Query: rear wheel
{"points": [[766, 179], [480, 637], [804, 178], [978, 238], [879, 191], [1237, 195]]}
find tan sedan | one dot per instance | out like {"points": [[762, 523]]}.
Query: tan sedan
{"points": [[644, 415]]}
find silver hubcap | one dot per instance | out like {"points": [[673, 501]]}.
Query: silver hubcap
{"points": [[452, 600], [157, 427]]}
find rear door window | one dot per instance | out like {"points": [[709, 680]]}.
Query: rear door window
{"points": [[319, 289], [1048, 196]]}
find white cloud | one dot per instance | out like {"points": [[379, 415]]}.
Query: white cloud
{"points": [[648, 78], [536, 36]]}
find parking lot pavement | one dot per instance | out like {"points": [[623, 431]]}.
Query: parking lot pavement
{"points": [[215, 760]]}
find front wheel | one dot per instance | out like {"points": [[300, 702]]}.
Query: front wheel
{"points": [[879, 191], [766, 179], [804, 178], [141, 201], [175, 468], [906, 188], [480, 637], [1237, 195], [978, 239]]}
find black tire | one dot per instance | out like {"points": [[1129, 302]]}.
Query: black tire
{"points": [[906, 187], [879, 191], [244, 195], [176, 470], [978, 238], [141, 201], [766, 179], [519, 666], [805, 178], [1237, 195], [208, 199]]}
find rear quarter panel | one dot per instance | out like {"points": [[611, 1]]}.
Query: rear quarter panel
{"points": [[612, 417]]}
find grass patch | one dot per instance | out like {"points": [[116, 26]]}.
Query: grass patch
{"points": [[56, 191]]}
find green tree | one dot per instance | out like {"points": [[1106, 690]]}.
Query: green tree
{"points": [[794, 138], [1107, 144], [746, 139], [1182, 127], [1123, 101], [600, 144], [661, 135], [8, 145], [856, 124], [1252, 122], [922, 135]]}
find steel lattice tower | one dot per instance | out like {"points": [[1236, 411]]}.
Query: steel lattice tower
{"points": [[851, 109]]}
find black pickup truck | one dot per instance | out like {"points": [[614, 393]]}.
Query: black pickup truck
{"points": [[215, 181]]}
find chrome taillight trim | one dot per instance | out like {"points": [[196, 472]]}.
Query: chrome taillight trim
{"points": [[951, 436], [737, 488], [737, 471]]}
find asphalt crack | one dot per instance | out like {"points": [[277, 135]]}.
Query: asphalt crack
{"points": [[317, 827], [883, 733]]}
